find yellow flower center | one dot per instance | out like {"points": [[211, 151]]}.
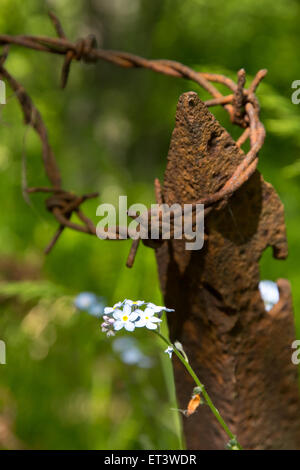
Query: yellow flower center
{"points": [[125, 318], [146, 318]]}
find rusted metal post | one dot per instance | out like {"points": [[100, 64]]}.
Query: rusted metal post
{"points": [[241, 352]]}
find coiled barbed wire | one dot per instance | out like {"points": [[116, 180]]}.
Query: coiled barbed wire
{"points": [[241, 104]]}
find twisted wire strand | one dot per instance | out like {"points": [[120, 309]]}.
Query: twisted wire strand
{"points": [[241, 104]]}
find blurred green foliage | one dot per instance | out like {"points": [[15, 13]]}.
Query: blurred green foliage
{"points": [[63, 386]]}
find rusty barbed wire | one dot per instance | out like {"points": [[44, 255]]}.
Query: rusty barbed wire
{"points": [[241, 104]]}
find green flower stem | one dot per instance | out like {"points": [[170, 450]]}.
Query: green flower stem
{"points": [[206, 396]]}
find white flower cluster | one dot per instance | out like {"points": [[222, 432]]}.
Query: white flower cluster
{"points": [[131, 315]]}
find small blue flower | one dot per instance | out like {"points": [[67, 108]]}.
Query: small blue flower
{"points": [[159, 309], [124, 318], [269, 293], [134, 356], [123, 343], [147, 318], [131, 356], [129, 352], [96, 310], [85, 300], [169, 351], [130, 314], [90, 303]]}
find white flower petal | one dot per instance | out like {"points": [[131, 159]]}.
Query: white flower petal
{"points": [[134, 303], [169, 351], [118, 325], [155, 319], [151, 305], [159, 308], [134, 315], [149, 312], [129, 326], [269, 291], [126, 310], [138, 303], [108, 310], [140, 323], [117, 314], [117, 305], [268, 306], [151, 326]]}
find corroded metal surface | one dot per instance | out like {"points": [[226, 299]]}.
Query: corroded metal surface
{"points": [[241, 352]]}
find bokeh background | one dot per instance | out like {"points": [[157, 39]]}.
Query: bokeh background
{"points": [[65, 385]]}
